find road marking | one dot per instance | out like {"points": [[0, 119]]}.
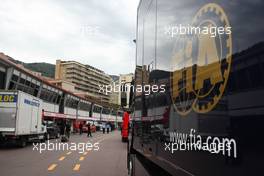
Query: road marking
{"points": [[100, 140], [81, 158], [85, 153], [68, 153], [52, 167], [62, 158], [94, 138], [76, 167]]}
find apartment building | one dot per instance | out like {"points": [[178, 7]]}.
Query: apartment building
{"points": [[125, 80], [141, 77], [86, 79], [63, 84], [114, 97]]}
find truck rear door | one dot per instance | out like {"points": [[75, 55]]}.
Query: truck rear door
{"points": [[8, 111]]}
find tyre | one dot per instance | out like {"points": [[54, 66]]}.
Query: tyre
{"points": [[57, 136], [44, 138], [22, 142], [47, 136], [130, 168]]}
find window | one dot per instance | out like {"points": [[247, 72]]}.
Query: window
{"points": [[58, 99], [22, 81], [106, 111], [84, 106], [26, 85], [72, 102], [14, 78], [113, 112], [2, 80], [97, 109], [48, 95], [120, 114], [12, 86]]}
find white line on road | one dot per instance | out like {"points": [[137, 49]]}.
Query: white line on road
{"points": [[52, 167], [77, 167], [62, 158]]}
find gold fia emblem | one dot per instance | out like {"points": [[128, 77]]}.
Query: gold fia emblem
{"points": [[202, 64]]}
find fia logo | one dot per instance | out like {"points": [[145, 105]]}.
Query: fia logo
{"points": [[201, 64]]}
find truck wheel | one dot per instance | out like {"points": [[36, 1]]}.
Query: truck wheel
{"points": [[58, 135], [131, 163], [47, 136], [43, 139], [22, 142]]}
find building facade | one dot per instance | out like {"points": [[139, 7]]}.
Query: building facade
{"points": [[125, 81], [86, 79], [63, 84], [114, 97]]}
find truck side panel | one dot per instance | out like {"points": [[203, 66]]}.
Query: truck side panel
{"points": [[29, 115]]}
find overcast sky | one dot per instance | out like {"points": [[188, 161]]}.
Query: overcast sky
{"points": [[95, 32]]}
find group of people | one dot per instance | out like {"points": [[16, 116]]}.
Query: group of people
{"points": [[105, 127], [65, 130]]}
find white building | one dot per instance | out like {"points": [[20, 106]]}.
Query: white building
{"points": [[125, 80]]}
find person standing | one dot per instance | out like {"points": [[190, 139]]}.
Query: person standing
{"points": [[103, 126], [107, 127], [68, 129], [81, 128], [89, 130], [62, 128]]}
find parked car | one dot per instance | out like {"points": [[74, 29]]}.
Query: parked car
{"points": [[53, 130], [93, 128], [97, 126]]}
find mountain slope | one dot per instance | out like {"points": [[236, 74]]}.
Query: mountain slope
{"points": [[45, 68]]}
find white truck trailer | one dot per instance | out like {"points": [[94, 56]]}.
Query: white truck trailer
{"points": [[20, 118]]}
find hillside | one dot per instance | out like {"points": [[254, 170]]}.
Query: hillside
{"points": [[45, 68]]}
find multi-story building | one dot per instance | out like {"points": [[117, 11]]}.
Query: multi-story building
{"points": [[125, 81], [114, 97], [86, 79], [63, 84], [141, 77]]}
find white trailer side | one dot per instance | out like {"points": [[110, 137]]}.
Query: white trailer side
{"points": [[20, 117]]}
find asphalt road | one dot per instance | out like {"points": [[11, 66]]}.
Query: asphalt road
{"points": [[106, 155]]}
